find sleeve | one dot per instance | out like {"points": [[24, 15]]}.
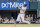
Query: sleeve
{"points": [[23, 8]]}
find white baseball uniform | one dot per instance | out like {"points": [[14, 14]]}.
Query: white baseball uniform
{"points": [[21, 14]]}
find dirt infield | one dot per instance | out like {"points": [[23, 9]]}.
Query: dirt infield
{"points": [[20, 25]]}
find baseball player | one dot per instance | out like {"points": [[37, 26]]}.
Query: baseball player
{"points": [[21, 14]]}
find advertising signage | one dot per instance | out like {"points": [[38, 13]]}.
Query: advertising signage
{"points": [[10, 5]]}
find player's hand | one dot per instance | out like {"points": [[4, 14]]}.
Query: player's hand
{"points": [[16, 7]]}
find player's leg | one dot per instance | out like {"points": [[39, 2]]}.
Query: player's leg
{"points": [[25, 21], [18, 19], [22, 17]]}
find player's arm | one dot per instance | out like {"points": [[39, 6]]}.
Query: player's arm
{"points": [[24, 9], [17, 8]]}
